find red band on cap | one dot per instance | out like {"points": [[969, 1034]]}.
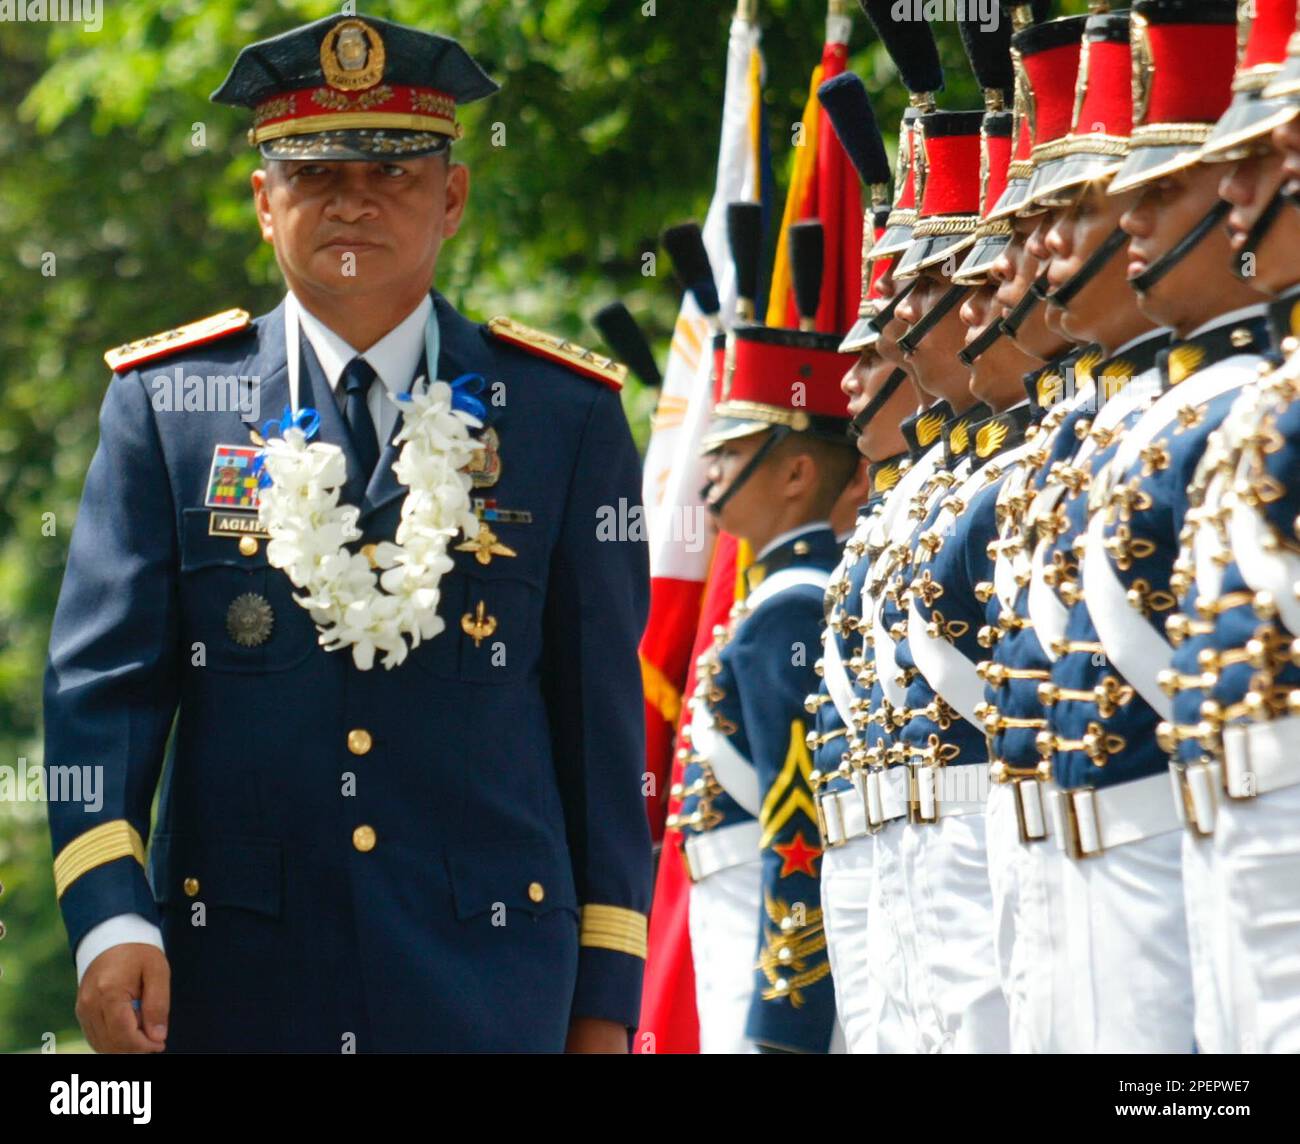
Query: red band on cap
{"points": [[998, 148], [1192, 81], [790, 377], [1024, 142], [1051, 77], [1269, 32], [952, 181], [1108, 102], [381, 106]]}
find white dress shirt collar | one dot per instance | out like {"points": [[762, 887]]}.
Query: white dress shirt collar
{"points": [[394, 357]]}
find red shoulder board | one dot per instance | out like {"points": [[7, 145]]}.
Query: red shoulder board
{"points": [[132, 354], [583, 361]]}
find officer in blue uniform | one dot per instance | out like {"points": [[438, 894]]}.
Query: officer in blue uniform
{"points": [[442, 847]]}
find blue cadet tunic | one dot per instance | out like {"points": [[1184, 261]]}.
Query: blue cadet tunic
{"points": [[946, 614], [452, 855], [887, 710], [1034, 522], [750, 762], [1107, 702], [1233, 666], [845, 668]]}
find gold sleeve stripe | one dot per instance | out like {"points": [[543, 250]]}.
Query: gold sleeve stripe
{"points": [[98, 846], [613, 927]]}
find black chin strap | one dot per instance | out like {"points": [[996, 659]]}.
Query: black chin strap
{"points": [[1022, 309], [1092, 265], [877, 403], [779, 433], [1263, 224], [1153, 273], [883, 318], [940, 310], [987, 339]]}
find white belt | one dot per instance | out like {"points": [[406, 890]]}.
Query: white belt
{"points": [[1196, 795], [720, 849], [887, 793], [1089, 821], [842, 814], [1261, 757]]}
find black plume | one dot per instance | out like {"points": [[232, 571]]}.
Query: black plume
{"points": [[807, 260], [685, 246], [624, 336], [910, 44], [845, 99]]}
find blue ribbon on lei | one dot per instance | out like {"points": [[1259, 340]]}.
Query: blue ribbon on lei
{"points": [[306, 419]]}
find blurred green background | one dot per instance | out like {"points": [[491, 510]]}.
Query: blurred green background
{"points": [[611, 116]]}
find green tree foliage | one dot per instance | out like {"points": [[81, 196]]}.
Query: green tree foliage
{"points": [[124, 209]]}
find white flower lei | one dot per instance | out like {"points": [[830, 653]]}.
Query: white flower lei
{"points": [[308, 528]]}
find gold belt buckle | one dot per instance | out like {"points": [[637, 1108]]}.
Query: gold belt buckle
{"points": [[914, 812], [1018, 786], [1073, 838], [686, 861]]}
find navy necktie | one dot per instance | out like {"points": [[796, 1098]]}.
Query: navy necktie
{"points": [[357, 376]]}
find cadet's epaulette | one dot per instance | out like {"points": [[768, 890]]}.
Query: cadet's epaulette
{"points": [[182, 337], [556, 349]]}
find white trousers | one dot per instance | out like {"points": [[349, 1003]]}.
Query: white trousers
{"points": [[1029, 929], [724, 921], [1130, 975], [956, 959], [1215, 967], [1257, 852], [846, 889]]}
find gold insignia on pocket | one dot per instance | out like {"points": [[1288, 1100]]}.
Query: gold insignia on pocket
{"points": [[479, 625], [249, 619]]}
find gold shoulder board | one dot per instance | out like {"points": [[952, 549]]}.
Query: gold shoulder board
{"points": [[132, 354], [583, 361]]}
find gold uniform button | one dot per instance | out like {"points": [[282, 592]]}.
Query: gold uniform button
{"points": [[191, 887], [359, 741], [536, 892], [363, 838], [248, 546]]}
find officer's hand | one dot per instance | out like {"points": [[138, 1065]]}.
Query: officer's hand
{"points": [[590, 1035], [119, 975]]}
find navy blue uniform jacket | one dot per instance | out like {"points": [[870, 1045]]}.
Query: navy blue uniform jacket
{"points": [[506, 888]]}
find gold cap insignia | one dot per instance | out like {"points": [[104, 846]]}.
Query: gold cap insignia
{"points": [[352, 56]]}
